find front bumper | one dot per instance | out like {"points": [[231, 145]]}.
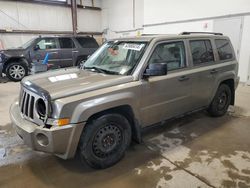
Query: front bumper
{"points": [[61, 141]]}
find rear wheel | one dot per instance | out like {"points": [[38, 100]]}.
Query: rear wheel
{"points": [[16, 71], [221, 101], [81, 61], [104, 140]]}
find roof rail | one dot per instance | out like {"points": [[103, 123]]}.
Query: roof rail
{"points": [[189, 33], [150, 34]]}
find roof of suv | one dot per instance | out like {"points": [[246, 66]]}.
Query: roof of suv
{"points": [[147, 38], [62, 36]]}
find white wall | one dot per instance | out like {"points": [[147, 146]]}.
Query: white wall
{"points": [[34, 16], [89, 20], [118, 17], [202, 26], [169, 10], [30, 16], [244, 61]]}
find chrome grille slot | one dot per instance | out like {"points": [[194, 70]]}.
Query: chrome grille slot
{"points": [[23, 102], [27, 100], [31, 112]]}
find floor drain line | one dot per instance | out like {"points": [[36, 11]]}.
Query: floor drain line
{"points": [[191, 173]]}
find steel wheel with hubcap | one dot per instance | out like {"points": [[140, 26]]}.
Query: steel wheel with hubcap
{"points": [[16, 71], [104, 140]]}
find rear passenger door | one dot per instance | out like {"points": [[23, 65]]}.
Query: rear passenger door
{"points": [[67, 51], [204, 72]]}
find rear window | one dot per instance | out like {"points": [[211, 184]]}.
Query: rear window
{"points": [[66, 43], [87, 42], [202, 51], [224, 49]]}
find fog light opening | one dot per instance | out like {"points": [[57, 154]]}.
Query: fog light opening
{"points": [[42, 139]]}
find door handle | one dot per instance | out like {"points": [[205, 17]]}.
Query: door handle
{"points": [[214, 71], [183, 78]]}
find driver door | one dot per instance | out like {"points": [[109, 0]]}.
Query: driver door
{"points": [[44, 46], [168, 95]]}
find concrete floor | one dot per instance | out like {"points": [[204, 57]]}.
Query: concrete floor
{"points": [[195, 151]]}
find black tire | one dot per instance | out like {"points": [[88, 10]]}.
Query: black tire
{"points": [[80, 62], [18, 76], [104, 140], [221, 101]]}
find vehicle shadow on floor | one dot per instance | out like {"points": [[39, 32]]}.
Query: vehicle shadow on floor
{"points": [[4, 80], [58, 172]]}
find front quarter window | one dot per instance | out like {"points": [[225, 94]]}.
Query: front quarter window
{"points": [[116, 57]]}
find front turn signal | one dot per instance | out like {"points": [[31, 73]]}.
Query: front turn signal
{"points": [[62, 122], [58, 122]]}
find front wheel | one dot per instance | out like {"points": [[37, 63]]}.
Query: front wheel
{"points": [[221, 101], [16, 71], [104, 140]]}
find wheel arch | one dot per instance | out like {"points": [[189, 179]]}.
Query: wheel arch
{"points": [[15, 59], [230, 83], [80, 57], [127, 111]]}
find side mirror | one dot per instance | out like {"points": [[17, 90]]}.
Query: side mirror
{"points": [[36, 47], [156, 69]]}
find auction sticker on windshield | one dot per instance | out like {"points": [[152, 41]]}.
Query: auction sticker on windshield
{"points": [[132, 46]]}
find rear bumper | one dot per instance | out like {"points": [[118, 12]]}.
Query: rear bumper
{"points": [[236, 82], [61, 141]]}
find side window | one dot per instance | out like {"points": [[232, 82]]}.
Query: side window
{"points": [[172, 53], [46, 43], [224, 49], [87, 42], [66, 43], [202, 51]]}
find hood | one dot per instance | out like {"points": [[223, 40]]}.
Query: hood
{"points": [[67, 82], [13, 52]]}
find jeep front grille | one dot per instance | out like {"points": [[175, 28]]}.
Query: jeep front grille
{"points": [[27, 101]]}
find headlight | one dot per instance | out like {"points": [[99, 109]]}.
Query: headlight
{"points": [[41, 108]]}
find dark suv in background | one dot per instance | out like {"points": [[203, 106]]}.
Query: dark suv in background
{"points": [[64, 51]]}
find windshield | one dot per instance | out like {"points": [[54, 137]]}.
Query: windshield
{"points": [[116, 57], [27, 44]]}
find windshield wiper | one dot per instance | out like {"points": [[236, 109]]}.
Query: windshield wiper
{"points": [[95, 68], [100, 70]]}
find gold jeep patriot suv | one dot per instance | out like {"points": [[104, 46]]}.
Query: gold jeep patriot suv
{"points": [[126, 85]]}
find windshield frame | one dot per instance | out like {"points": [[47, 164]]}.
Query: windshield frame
{"points": [[28, 43], [131, 71]]}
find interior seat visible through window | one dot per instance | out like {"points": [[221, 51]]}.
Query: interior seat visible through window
{"points": [[171, 53]]}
